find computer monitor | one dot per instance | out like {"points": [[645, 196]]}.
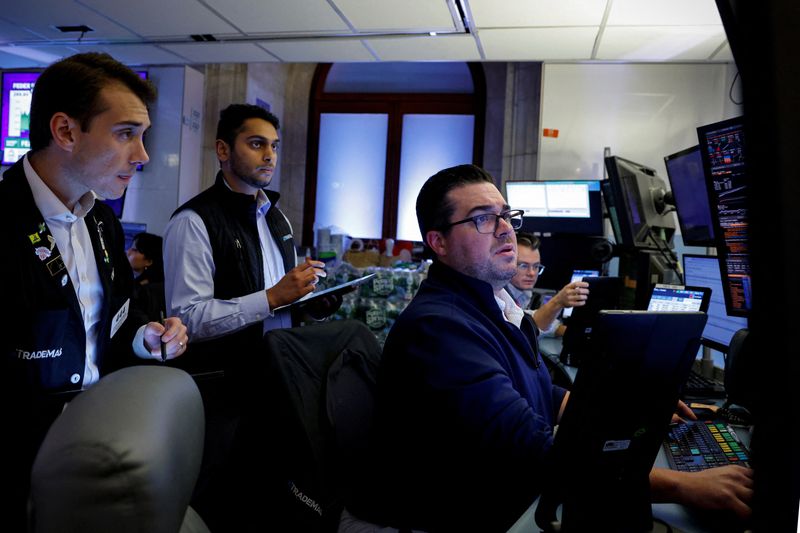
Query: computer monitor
{"points": [[558, 206], [688, 183], [131, 230], [17, 91], [679, 298], [722, 146], [604, 294], [704, 271], [599, 465], [636, 198]]}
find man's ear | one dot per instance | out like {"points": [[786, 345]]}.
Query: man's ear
{"points": [[437, 242], [63, 128], [223, 150]]}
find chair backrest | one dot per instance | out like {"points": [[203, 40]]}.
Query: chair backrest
{"points": [[123, 456], [322, 377]]}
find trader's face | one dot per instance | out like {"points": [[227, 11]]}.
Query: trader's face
{"points": [[104, 158], [527, 273], [254, 154], [489, 257]]}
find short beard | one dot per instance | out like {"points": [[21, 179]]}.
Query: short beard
{"points": [[249, 179], [488, 272]]}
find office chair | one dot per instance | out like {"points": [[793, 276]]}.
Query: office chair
{"points": [[123, 457], [319, 398]]}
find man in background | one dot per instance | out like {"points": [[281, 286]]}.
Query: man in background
{"points": [[230, 265], [66, 282], [529, 267]]}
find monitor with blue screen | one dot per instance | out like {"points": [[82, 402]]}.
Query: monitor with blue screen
{"points": [[704, 271]]}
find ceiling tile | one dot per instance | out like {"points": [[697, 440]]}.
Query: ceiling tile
{"points": [[538, 44], [319, 50], [725, 54], [42, 16], [32, 56], [527, 13], [221, 52], [663, 13], [260, 17], [440, 48], [660, 43], [152, 18], [136, 54], [425, 15]]}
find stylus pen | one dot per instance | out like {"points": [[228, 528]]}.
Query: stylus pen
{"points": [[163, 344]]}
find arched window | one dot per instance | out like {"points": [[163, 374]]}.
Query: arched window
{"points": [[377, 131]]}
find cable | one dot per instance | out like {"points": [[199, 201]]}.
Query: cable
{"points": [[671, 259], [730, 91]]}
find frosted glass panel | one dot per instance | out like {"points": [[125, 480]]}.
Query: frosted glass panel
{"points": [[430, 144], [351, 173]]}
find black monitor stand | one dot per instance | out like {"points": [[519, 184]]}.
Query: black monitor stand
{"points": [[616, 418]]}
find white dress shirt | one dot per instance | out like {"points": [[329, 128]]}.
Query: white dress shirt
{"points": [[71, 234], [189, 283]]}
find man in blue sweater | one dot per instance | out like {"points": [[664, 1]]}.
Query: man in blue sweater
{"points": [[466, 408]]}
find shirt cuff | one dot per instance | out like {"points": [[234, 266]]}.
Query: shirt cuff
{"points": [[255, 307], [138, 345]]}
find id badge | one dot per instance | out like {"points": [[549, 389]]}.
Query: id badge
{"points": [[120, 317]]}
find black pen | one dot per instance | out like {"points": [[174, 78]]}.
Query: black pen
{"points": [[163, 344]]}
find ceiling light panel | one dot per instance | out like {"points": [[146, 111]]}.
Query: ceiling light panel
{"points": [[440, 48], [295, 16], [319, 50], [530, 13], [369, 15], [152, 18], [538, 44], [660, 43], [663, 13]]}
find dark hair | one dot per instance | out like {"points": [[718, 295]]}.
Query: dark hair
{"points": [[528, 239], [232, 118], [150, 246], [433, 208], [72, 86]]}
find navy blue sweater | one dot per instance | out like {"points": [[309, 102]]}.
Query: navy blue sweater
{"points": [[465, 412]]}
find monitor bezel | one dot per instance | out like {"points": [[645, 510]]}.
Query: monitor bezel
{"points": [[591, 225]]}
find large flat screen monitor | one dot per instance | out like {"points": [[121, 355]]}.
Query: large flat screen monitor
{"points": [[704, 271], [558, 206], [722, 146], [635, 198], [688, 183]]}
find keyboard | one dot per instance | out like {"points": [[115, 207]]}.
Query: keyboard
{"points": [[699, 386], [703, 444]]}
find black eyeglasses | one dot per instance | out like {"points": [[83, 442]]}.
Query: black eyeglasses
{"points": [[488, 223]]}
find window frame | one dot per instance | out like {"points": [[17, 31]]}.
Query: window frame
{"points": [[395, 105]]}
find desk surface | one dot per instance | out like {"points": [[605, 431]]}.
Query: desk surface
{"points": [[678, 517]]}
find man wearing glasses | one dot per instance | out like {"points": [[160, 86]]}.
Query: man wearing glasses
{"points": [[465, 406], [529, 267]]}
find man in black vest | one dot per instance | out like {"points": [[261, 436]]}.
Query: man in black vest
{"points": [[66, 282], [230, 263]]}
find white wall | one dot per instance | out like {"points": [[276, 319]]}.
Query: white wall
{"points": [[174, 144], [643, 112]]}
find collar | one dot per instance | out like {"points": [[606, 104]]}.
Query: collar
{"points": [[509, 308], [48, 203], [263, 198], [517, 293]]}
